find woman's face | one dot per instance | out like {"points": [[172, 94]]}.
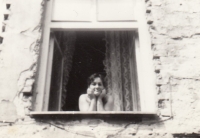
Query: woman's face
{"points": [[97, 86]]}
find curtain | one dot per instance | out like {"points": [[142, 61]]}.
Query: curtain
{"points": [[119, 69], [67, 42]]}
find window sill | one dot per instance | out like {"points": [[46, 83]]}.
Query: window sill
{"points": [[91, 112], [103, 114]]}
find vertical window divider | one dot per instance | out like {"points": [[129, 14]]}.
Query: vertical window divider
{"points": [[40, 89], [49, 71]]}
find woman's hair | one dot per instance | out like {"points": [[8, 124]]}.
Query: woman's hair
{"points": [[94, 76]]}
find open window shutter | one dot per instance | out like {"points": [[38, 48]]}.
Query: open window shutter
{"points": [[54, 77]]}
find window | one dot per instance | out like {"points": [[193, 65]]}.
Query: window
{"points": [[89, 33]]}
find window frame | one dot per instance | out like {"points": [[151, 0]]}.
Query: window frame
{"points": [[52, 44], [141, 51]]}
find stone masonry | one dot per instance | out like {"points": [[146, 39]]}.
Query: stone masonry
{"points": [[174, 26]]}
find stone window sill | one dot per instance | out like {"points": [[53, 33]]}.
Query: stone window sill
{"points": [[91, 112], [103, 114]]}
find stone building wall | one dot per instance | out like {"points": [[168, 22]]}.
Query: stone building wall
{"points": [[175, 33]]}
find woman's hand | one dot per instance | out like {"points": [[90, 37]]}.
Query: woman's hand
{"points": [[90, 92], [103, 94], [99, 93]]}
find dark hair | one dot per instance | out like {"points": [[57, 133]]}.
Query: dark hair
{"points": [[94, 76]]}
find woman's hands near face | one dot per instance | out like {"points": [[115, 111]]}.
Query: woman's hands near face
{"points": [[90, 92], [97, 91], [93, 92], [103, 94]]}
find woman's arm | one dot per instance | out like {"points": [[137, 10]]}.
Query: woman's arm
{"points": [[93, 105], [108, 105], [84, 105]]}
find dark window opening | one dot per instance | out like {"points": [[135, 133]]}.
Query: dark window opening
{"points": [[88, 58], [75, 55]]}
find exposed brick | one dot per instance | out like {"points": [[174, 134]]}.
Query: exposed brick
{"points": [[164, 95], [166, 112], [160, 53], [27, 89], [30, 82], [169, 88]]}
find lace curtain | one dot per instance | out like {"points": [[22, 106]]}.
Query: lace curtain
{"points": [[119, 68], [67, 43]]}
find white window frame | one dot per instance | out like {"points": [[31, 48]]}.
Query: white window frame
{"points": [[144, 58]]}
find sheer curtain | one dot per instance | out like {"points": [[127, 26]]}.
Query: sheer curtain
{"points": [[119, 68], [67, 42]]}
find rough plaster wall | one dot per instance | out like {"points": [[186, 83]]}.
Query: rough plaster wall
{"points": [[174, 28], [18, 56], [175, 31]]}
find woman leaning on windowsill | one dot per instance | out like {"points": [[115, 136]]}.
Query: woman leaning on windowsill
{"points": [[96, 98]]}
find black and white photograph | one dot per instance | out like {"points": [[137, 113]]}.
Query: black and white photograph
{"points": [[99, 68]]}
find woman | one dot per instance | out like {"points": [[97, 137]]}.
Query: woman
{"points": [[96, 98]]}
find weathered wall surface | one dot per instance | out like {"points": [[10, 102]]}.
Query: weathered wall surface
{"points": [[18, 55], [175, 29], [175, 33]]}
